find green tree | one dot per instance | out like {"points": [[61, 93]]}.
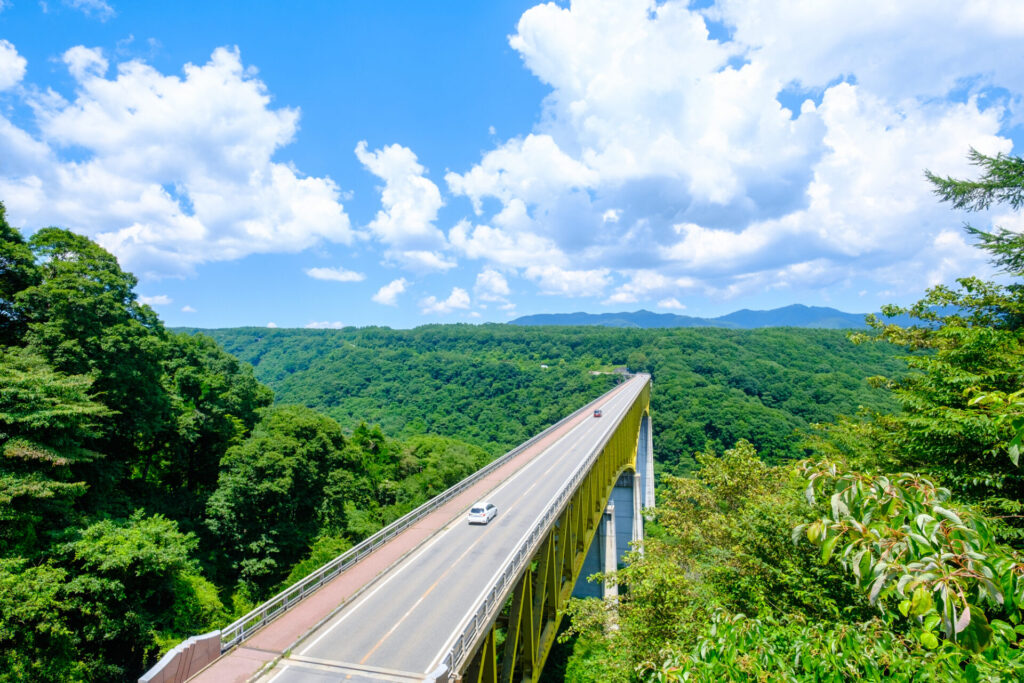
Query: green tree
{"points": [[215, 402], [272, 494], [47, 421], [38, 640], [128, 584], [84, 317], [18, 271], [957, 424]]}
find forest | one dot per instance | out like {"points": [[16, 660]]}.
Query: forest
{"points": [[496, 385], [830, 507], [891, 552], [150, 488], [153, 486]]}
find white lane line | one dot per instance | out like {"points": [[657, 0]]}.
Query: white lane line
{"points": [[284, 668], [362, 600], [436, 662]]}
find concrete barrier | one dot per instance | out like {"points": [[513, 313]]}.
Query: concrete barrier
{"points": [[185, 659]]}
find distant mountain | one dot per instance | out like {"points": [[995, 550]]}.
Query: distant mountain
{"points": [[635, 319], [796, 315]]}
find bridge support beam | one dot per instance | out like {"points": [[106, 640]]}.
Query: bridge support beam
{"points": [[534, 606], [611, 554]]}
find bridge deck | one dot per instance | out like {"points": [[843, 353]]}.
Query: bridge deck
{"points": [[280, 636], [406, 622]]}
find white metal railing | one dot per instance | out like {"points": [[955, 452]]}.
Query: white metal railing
{"points": [[494, 599], [259, 617]]}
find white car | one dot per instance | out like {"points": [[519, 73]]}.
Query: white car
{"points": [[482, 512]]}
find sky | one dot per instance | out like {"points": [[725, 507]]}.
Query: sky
{"points": [[325, 164]]}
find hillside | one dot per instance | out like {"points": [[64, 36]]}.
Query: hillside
{"points": [[488, 385], [796, 315]]}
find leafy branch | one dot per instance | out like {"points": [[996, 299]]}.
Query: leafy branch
{"points": [[902, 538]]}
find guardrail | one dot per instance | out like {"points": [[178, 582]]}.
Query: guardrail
{"points": [[495, 598], [259, 617]]}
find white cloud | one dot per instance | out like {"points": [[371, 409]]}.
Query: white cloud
{"points": [[571, 283], [421, 261], [12, 65], [325, 325], [409, 200], [491, 286], [529, 169], [914, 46], [645, 283], [187, 309], [458, 299], [335, 274], [662, 149], [171, 171], [85, 63], [506, 248], [158, 300], [671, 303], [97, 8], [388, 294], [272, 325]]}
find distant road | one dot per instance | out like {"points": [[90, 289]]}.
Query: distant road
{"points": [[404, 625]]}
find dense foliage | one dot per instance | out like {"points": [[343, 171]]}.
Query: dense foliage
{"points": [[148, 490], [496, 385], [905, 561], [151, 488]]}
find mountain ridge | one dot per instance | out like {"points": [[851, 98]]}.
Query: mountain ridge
{"points": [[794, 315]]}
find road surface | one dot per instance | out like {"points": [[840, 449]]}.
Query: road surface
{"points": [[403, 626]]}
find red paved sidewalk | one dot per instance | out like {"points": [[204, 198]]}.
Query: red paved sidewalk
{"points": [[244, 661]]}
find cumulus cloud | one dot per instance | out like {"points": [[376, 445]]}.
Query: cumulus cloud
{"points": [[187, 309], [158, 300], [570, 283], [335, 274], [85, 63], [169, 171], [458, 299], [12, 65], [409, 200], [325, 325], [787, 152], [272, 325], [420, 260], [388, 294], [645, 283], [504, 247], [491, 286], [671, 303]]}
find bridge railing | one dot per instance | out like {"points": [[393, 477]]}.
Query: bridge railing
{"points": [[259, 617], [494, 600]]}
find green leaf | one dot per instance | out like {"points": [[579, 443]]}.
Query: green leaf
{"points": [[828, 547], [921, 603], [977, 633], [929, 640]]}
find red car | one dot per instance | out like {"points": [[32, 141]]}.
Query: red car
{"points": [[597, 413]]}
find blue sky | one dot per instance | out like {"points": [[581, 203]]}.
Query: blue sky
{"points": [[399, 163]]}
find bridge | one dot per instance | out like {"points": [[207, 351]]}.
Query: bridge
{"points": [[431, 598]]}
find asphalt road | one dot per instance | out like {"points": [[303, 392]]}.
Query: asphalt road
{"points": [[403, 626]]}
